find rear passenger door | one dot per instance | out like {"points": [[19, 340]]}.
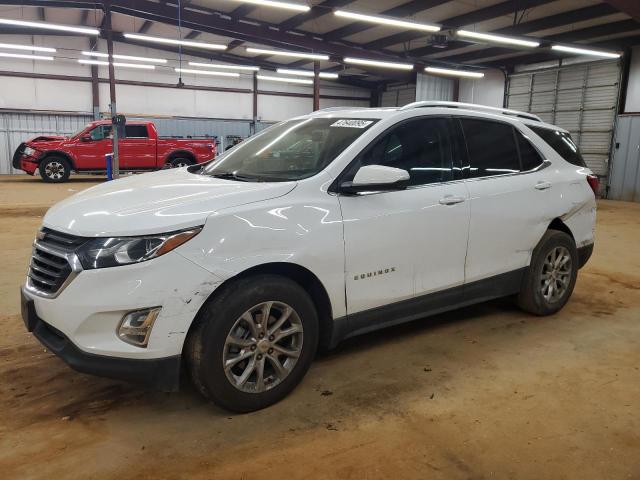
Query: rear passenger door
{"points": [[509, 193], [137, 150], [399, 244]]}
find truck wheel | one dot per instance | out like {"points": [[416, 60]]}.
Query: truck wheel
{"points": [[55, 169], [551, 276], [180, 162], [253, 342]]}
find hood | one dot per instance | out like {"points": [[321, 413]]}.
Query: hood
{"points": [[154, 203], [46, 142]]}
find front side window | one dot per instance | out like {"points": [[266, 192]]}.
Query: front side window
{"points": [[290, 150], [421, 146], [491, 147], [562, 143], [100, 132]]}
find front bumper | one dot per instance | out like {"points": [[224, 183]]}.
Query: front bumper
{"points": [[80, 324], [161, 374]]}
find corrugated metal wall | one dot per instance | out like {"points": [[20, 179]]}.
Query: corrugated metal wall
{"points": [[15, 128], [624, 183], [581, 98], [429, 87], [398, 95]]}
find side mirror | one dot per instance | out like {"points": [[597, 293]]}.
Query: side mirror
{"points": [[374, 178], [86, 138]]}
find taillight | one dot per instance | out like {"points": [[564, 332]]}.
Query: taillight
{"points": [[594, 183]]}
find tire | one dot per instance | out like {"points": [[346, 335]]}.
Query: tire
{"points": [[551, 277], [180, 162], [224, 321], [55, 169]]}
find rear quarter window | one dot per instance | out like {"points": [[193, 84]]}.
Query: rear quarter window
{"points": [[562, 143]]}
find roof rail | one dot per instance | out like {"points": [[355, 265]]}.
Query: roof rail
{"points": [[334, 109], [471, 106]]}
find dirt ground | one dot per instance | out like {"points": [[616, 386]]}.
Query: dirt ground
{"points": [[484, 392]]}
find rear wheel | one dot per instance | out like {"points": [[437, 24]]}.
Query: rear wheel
{"points": [[55, 169], [253, 343], [551, 276], [180, 162]]}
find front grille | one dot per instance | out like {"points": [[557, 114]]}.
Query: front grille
{"points": [[50, 267]]}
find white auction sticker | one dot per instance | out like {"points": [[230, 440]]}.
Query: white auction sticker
{"points": [[352, 123]]}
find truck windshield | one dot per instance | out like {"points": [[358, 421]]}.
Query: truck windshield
{"points": [[290, 150]]}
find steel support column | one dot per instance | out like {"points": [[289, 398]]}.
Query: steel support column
{"points": [[316, 86], [112, 88]]}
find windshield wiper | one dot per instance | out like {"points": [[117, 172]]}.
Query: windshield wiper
{"points": [[234, 176]]}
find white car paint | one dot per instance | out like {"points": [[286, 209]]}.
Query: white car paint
{"points": [[430, 238]]}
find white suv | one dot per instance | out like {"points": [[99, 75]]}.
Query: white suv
{"points": [[319, 228]]}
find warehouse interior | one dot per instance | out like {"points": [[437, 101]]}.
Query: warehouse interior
{"points": [[483, 392]]}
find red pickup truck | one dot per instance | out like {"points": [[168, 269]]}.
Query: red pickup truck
{"points": [[140, 150]]}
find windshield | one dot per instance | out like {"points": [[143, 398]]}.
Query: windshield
{"points": [[290, 150]]}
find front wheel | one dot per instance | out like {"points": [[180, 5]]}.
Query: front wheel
{"points": [[551, 276], [55, 170], [253, 342]]}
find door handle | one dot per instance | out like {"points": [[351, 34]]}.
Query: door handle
{"points": [[451, 200], [542, 185]]}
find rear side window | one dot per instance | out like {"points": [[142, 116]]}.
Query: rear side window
{"points": [[136, 131], [491, 146], [529, 156], [562, 143]]}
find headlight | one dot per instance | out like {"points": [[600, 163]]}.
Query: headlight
{"points": [[29, 151], [114, 251]]}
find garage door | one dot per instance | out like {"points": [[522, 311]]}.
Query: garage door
{"points": [[581, 98]]}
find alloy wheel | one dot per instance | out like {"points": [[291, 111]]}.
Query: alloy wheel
{"points": [[556, 274], [262, 347], [54, 170]]}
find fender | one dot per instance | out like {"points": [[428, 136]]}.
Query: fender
{"points": [[65, 155]]}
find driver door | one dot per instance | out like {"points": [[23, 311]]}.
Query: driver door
{"points": [[90, 154], [406, 243]]}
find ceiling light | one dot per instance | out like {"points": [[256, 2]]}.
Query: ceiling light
{"points": [[226, 67], [376, 63], [286, 5], [394, 22], [263, 51], [455, 73], [125, 57], [498, 38], [171, 41], [27, 57], [116, 64], [49, 26], [30, 48], [306, 73], [287, 80], [586, 51], [207, 72]]}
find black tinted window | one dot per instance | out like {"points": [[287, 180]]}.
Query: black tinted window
{"points": [[529, 156], [136, 131], [491, 146], [421, 147], [562, 143]]}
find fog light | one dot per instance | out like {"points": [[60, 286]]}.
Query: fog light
{"points": [[135, 327]]}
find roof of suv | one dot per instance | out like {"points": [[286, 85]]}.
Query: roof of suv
{"points": [[386, 112]]}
